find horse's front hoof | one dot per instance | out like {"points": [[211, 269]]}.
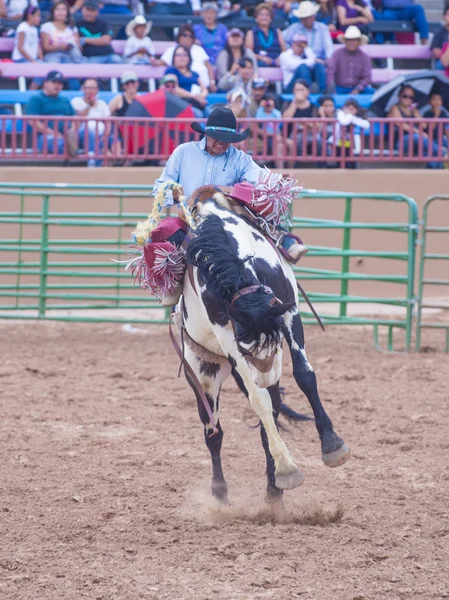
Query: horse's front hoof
{"points": [[337, 457], [220, 492], [289, 481]]}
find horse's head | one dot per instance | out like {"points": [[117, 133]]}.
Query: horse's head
{"points": [[256, 317]]}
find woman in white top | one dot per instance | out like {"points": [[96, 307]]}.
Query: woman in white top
{"points": [[13, 9], [139, 49], [27, 46], [60, 38]]}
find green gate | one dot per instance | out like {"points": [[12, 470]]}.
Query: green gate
{"points": [[56, 248], [427, 256]]}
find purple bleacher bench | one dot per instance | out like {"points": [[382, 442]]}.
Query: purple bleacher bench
{"points": [[79, 71], [7, 45]]}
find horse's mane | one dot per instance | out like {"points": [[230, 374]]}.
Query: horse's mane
{"points": [[214, 252]]}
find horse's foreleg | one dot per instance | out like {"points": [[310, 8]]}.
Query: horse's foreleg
{"points": [[334, 451], [211, 376], [280, 463]]}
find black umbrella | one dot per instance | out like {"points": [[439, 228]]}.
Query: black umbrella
{"points": [[423, 82]]}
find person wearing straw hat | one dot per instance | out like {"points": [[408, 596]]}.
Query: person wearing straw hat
{"points": [[318, 38], [139, 49], [349, 69]]}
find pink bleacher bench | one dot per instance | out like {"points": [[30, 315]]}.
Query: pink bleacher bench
{"points": [[274, 74], [7, 45], [79, 71]]}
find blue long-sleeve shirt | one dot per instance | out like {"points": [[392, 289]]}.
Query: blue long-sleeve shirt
{"points": [[192, 166]]}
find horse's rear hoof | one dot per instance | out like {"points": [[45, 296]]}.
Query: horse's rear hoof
{"points": [[337, 457], [290, 481]]}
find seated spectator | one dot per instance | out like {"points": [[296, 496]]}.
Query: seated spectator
{"points": [[237, 102], [297, 62], [139, 49], [281, 8], [14, 10], [91, 133], [96, 36], [327, 110], [265, 40], [233, 52], [349, 69], [120, 103], [54, 134], [354, 12], [212, 36], [191, 88], [27, 46], [441, 40], [259, 88], [318, 37], [412, 136], [436, 110], [120, 7], [60, 38], [227, 8], [307, 135], [241, 75], [348, 132], [200, 60], [327, 14], [175, 7], [271, 130], [169, 83], [405, 10]]}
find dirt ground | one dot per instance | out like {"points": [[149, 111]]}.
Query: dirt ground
{"points": [[105, 475]]}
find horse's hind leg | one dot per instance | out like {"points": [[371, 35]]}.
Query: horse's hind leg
{"points": [[211, 376], [334, 451]]}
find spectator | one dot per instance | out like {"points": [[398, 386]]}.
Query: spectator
{"points": [[327, 110], [96, 36], [27, 46], [441, 40], [91, 133], [271, 130], [120, 103], [354, 12], [405, 109], [60, 38], [191, 88], [348, 131], [327, 14], [241, 75], [200, 60], [13, 10], [307, 135], [175, 7], [281, 8], [233, 52], [237, 102], [405, 10], [169, 83], [436, 110], [297, 62], [212, 36], [259, 88], [139, 49], [49, 102], [349, 69], [265, 40], [318, 37]]}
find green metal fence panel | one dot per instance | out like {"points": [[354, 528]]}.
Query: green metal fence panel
{"points": [[345, 275], [49, 273], [431, 207]]}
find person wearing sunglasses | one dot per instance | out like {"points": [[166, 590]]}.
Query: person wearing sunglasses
{"points": [[412, 134], [119, 105], [190, 87], [200, 60]]}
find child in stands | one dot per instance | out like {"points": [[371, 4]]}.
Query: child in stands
{"points": [[27, 47], [139, 49]]}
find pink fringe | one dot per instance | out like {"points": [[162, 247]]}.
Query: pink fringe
{"points": [[165, 274], [274, 193]]}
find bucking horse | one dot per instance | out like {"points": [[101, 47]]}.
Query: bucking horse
{"points": [[239, 304]]}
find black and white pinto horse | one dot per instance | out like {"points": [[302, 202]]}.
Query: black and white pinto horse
{"points": [[239, 303]]}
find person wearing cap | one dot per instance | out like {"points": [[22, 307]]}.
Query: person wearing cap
{"points": [[96, 36], [297, 62], [50, 103], [209, 34], [119, 105], [318, 38], [139, 49], [240, 77], [259, 88], [353, 13], [349, 69], [169, 83], [200, 60], [271, 131], [265, 40], [233, 51]]}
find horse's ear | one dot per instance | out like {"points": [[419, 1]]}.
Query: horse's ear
{"points": [[279, 309], [234, 313]]}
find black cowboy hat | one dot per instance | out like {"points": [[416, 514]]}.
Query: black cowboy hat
{"points": [[222, 125]]}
